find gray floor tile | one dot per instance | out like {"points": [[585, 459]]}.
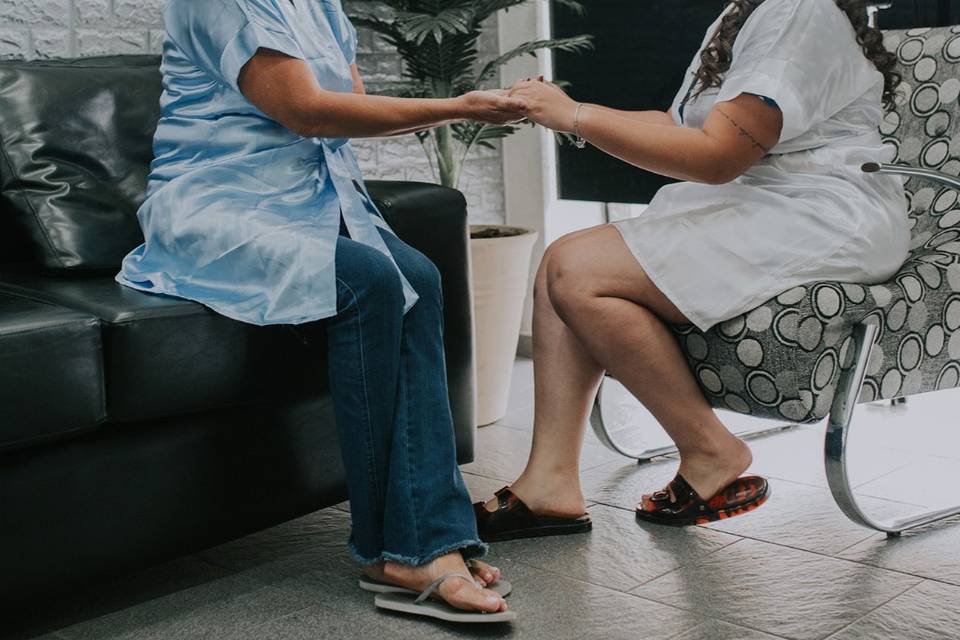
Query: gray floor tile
{"points": [[481, 488], [129, 591], [782, 591], [929, 611], [556, 607], [797, 455], [930, 552], [928, 480], [519, 415], [548, 606], [28, 634], [619, 553], [502, 453], [318, 533], [321, 622], [219, 609], [621, 483], [806, 518], [924, 425], [718, 630]]}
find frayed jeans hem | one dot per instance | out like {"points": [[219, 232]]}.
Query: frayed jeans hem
{"points": [[469, 549]]}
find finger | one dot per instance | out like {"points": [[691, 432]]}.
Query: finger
{"points": [[512, 104]]}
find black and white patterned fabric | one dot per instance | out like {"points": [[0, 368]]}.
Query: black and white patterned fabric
{"points": [[783, 359]]}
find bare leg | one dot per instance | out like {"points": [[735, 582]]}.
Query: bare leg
{"points": [[604, 297], [566, 378]]}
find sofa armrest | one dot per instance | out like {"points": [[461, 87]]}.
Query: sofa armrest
{"points": [[433, 220]]}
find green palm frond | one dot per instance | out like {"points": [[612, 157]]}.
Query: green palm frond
{"points": [[416, 27], [470, 134], [438, 41], [570, 45]]}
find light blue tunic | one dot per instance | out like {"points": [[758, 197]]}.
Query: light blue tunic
{"points": [[242, 214]]}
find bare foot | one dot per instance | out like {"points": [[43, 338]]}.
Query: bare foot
{"points": [[708, 473], [482, 571], [374, 571], [546, 496], [456, 592]]}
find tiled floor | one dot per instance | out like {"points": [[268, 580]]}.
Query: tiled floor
{"points": [[796, 568]]}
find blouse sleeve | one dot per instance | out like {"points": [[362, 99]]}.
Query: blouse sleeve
{"points": [[225, 34], [802, 54], [349, 42]]}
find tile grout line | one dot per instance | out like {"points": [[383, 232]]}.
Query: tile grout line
{"points": [[883, 604], [822, 554], [681, 565]]}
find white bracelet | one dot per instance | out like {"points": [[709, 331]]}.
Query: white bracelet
{"points": [[579, 141]]}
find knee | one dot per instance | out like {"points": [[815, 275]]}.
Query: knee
{"points": [[423, 276], [565, 286], [373, 279]]}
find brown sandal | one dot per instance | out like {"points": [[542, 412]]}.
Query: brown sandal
{"points": [[513, 519], [678, 505]]}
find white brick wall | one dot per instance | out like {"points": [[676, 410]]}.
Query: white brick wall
{"points": [[66, 28]]}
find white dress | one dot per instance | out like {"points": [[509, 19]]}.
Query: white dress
{"points": [[803, 213]]}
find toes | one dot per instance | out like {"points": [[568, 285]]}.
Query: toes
{"points": [[471, 598], [484, 572]]}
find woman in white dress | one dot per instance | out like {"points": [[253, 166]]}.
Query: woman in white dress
{"points": [[779, 109]]}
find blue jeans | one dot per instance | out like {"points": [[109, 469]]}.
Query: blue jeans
{"points": [[388, 380]]}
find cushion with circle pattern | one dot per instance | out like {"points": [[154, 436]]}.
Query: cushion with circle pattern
{"points": [[783, 359]]}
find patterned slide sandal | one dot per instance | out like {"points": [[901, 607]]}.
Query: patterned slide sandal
{"points": [[424, 605], [678, 505]]}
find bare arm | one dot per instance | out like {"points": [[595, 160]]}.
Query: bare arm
{"points": [[735, 136], [359, 88], [286, 90], [650, 117]]}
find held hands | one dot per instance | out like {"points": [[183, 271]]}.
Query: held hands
{"points": [[492, 107], [547, 104]]}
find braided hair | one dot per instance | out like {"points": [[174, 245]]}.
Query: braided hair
{"points": [[716, 57]]}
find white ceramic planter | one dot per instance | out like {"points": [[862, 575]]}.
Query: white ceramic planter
{"points": [[500, 267]]}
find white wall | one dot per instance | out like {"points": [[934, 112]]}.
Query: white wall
{"points": [[529, 158], [67, 28]]}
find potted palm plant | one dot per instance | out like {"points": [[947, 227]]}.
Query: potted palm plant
{"points": [[437, 41]]}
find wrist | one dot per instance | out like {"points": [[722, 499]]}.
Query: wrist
{"points": [[454, 108], [576, 129]]}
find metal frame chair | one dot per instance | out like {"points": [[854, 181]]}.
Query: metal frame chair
{"points": [[849, 386]]}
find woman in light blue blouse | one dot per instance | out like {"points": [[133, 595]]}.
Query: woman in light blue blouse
{"points": [[252, 210]]}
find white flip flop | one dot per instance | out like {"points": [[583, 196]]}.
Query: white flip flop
{"points": [[422, 605], [501, 587]]}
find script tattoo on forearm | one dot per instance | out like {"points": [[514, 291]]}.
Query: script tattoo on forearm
{"points": [[743, 132]]}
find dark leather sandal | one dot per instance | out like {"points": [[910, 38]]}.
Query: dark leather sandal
{"points": [[679, 505], [513, 520]]}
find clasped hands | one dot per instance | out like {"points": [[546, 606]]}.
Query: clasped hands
{"points": [[536, 100]]}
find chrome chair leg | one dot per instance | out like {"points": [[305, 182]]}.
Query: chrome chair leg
{"points": [[644, 455], [835, 445]]}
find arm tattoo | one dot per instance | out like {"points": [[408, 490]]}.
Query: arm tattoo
{"points": [[743, 132]]}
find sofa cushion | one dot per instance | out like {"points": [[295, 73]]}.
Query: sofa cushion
{"points": [[164, 355], [76, 141], [51, 370]]}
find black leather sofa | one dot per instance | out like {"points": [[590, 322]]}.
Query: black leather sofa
{"points": [[137, 427]]}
